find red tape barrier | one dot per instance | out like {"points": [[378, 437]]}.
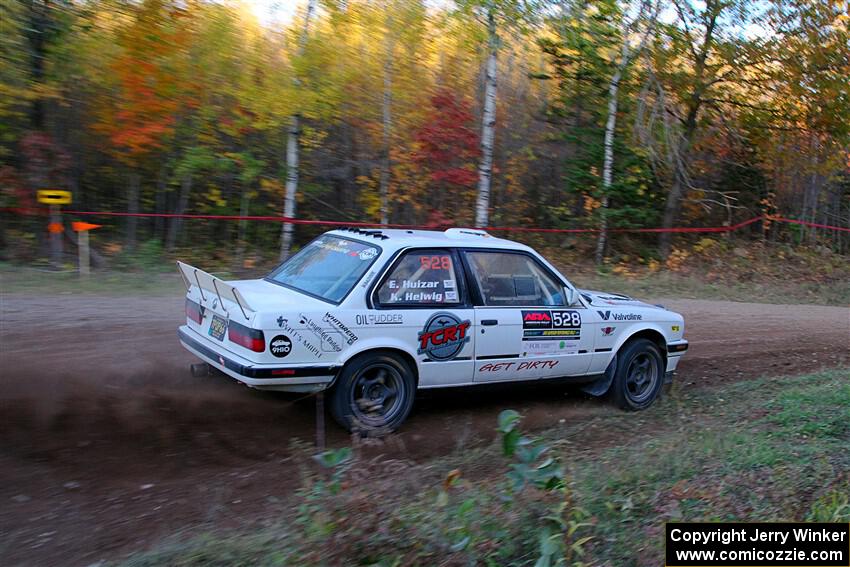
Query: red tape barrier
{"points": [[708, 229]]}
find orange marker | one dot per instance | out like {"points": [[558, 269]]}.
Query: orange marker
{"points": [[79, 226]]}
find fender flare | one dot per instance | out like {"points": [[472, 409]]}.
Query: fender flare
{"points": [[601, 386], [375, 345]]}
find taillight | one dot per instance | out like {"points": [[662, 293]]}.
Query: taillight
{"points": [[194, 311], [252, 339]]}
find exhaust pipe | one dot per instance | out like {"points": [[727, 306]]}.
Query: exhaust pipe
{"points": [[200, 369]]}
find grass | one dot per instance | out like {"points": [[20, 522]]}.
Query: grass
{"points": [[671, 284], [765, 450], [42, 281]]}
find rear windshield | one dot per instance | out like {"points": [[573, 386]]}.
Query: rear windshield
{"points": [[326, 268]]}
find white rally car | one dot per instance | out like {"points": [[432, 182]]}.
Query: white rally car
{"points": [[373, 315]]}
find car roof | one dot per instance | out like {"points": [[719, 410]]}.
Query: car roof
{"points": [[396, 238]]}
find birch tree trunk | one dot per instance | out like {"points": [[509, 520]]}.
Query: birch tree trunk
{"points": [[291, 185], [608, 161], [386, 108], [611, 127], [292, 151], [488, 127]]}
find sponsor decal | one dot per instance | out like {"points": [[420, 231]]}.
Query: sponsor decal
{"points": [[568, 334], [519, 366], [474, 233], [548, 348], [449, 284], [536, 320], [368, 278], [608, 331], [350, 337], [451, 296], [298, 337], [606, 315], [443, 337], [615, 297], [551, 320], [379, 319], [675, 328], [368, 254], [331, 341], [333, 245], [280, 346]]}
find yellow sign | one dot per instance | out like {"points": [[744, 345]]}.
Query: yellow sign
{"points": [[54, 197]]}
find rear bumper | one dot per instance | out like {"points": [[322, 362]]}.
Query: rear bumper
{"points": [[264, 377]]}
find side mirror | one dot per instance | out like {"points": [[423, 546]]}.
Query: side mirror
{"points": [[571, 295]]}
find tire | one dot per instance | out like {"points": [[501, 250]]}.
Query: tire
{"points": [[639, 375], [373, 394]]}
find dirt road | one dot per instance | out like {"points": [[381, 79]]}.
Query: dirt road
{"points": [[108, 444]]}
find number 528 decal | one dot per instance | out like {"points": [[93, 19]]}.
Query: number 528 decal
{"points": [[551, 319]]}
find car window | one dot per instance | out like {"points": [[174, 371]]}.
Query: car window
{"points": [[507, 279], [327, 268], [421, 277]]}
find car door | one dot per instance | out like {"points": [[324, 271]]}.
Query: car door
{"points": [[525, 328], [425, 291]]}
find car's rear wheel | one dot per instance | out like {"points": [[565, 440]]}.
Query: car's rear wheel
{"points": [[373, 394], [639, 375]]}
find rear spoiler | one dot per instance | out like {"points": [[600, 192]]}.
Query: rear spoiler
{"points": [[204, 281]]}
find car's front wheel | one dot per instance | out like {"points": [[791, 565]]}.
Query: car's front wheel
{"points": [[639, 375], [373, 394]]}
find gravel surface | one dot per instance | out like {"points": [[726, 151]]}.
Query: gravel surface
{"points": [[108, 444]]}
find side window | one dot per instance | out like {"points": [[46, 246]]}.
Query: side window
{"points": [[421, 277], [509, 279]]}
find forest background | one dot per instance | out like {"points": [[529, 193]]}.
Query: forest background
{"points": [[601, 114]]}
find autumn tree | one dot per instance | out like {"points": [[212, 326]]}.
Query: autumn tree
{"points": [[140, 113], [447, 147]]}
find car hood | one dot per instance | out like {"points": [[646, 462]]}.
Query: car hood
{"points": [[606, 299]]}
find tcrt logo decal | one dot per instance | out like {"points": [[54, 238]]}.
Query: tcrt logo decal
{"points": [[443, 337]]}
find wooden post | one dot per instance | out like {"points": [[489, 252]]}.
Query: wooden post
{"points": [[320, 420], [53, 198], [82, 229], [83, 249]]}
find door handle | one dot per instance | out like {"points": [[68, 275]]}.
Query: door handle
{"points": [[489, 322]]}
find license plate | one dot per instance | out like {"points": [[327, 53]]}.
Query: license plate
{"points": [[218, 326]]}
